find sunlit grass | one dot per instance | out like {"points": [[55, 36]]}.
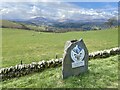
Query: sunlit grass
{"points": [[30, 46], [103, 73]]}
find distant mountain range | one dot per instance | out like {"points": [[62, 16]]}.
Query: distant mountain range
{"points": [[49, 21], [56, 15], [43, 24], [40, 21], [67, 23]]}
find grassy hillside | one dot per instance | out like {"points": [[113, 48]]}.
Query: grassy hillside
{"points": [[30, 46], [10, 24], [17, 25], [103, 73]]}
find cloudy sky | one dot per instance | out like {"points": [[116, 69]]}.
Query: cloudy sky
{"points": [[59, 0], [58, 10]]}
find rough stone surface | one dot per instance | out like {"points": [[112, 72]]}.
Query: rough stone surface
{"points": [[25, 69], [67, 69]]}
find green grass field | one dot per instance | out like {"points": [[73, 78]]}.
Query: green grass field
{"points": [[103, 73], [30, 46]]}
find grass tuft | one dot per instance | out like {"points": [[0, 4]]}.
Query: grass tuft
{"points": [[103, 73]]}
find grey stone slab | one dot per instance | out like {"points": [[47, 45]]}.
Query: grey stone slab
{"points": [[75, 58]]}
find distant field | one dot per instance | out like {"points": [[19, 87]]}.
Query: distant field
{"points": [[30, 46], [7, 23], [103, 73], [18, 25]]}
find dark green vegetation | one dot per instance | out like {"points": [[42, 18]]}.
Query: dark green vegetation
{"points": [[18, 25], [11, 24], [63, 25], [103, 73], [30, 46], [58, 27]]}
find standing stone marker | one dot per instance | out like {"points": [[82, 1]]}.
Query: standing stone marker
{"points": [[75, 58]]}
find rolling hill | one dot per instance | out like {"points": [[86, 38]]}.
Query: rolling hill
{"points": [[12, 24], [53, 26], [30, 46], [19, 25]]}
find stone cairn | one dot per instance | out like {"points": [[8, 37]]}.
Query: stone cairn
{"points": [[25, 69]]}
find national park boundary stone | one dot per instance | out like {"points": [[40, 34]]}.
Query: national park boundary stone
{"points": [[75, 58]]}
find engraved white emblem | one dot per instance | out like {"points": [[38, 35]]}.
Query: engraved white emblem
{"points": [[77, 55]]}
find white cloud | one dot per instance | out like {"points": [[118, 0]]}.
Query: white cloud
{"points": [[30, 0], [35, 9], [71, 11], [54, 10], [59, 0], [4, 11], [63, 16]]}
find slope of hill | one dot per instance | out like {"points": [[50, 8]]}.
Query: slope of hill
{"points": [[103, 73], [30, 46], [12, 24], [19, 25]]}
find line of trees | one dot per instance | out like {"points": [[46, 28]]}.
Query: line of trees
{"points": [[112, 22]]}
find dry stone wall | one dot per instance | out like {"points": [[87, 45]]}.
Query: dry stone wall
{"points": [[25, 69], [104, 53]]}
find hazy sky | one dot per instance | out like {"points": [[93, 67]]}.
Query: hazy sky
{"points": [[57, 9], [96, 5], [60, 0]]}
